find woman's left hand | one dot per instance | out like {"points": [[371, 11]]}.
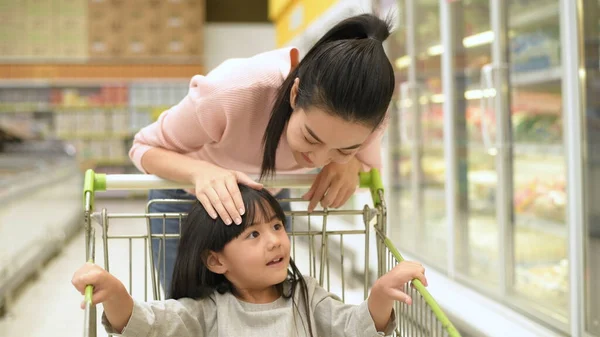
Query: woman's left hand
{"points": [[334, 185]]}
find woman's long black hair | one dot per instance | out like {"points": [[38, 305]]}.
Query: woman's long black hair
{"points": [[201, 234], [346, 73]]}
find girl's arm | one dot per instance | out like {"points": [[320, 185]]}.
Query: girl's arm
{"points": [[123, 315]]}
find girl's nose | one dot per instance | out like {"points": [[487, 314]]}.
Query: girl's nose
{"points": [[273, 241]]}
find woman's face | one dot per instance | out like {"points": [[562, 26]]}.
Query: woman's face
{"points": [[318, 138]]}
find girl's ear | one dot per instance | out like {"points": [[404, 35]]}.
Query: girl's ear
{"points": [[294, 93], [214, 263]]}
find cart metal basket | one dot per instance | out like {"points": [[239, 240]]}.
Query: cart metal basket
{"points": [[321, 247]]}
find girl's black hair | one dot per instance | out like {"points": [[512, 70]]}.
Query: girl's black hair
{"points": [[201, 234], [346, 73]]}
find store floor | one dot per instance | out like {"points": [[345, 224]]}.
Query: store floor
{"points": [[49, 306]]}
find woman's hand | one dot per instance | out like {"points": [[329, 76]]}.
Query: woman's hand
{"points": [[108, 290], [217, 189], [334, 185]]}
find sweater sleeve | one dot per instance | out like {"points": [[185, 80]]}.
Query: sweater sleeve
{"points": [[197, 120], [335, 318], [184, 317]]}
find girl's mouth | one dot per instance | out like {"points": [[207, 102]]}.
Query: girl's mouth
{"points": [[275, 261]]}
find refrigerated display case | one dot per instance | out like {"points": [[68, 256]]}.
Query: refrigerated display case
{"points": [[478, 167]]}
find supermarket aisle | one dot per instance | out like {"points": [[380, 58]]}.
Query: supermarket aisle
{"points": [[50, 306]]}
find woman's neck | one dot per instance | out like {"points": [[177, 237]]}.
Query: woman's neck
{"points": [[258, 296]]}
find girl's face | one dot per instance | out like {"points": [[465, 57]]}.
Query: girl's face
{"points": [[318, 138], [259, 257]]}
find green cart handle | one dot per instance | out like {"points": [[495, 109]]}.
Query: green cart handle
{"points": [[95, 182]]}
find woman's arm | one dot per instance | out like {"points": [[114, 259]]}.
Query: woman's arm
{"points": [[172, 165], [199, 119]]}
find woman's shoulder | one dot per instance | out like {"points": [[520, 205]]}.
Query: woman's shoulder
{"points": [[267, 69]]}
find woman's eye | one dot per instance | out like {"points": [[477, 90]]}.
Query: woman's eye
{"points": [[344, 153], [277, 226], [253, 235], [309, 142]]}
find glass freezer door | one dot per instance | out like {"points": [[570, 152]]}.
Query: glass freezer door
{"points": [[512, 234], [416, 134]]}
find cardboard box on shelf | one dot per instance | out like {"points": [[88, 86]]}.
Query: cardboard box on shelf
{"points": [[183, 44], [104, 47], [39, 8], [140, 46]]}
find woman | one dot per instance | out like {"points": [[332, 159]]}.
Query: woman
{"points": [[273, 114]]}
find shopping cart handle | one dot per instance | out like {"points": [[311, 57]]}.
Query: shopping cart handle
{"points": [[107, 182], [95, 182]]}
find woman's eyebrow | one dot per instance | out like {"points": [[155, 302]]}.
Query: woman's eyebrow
{"points": [[355, 146]]}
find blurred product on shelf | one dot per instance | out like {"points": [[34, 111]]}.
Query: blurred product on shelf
{"points": [[98, 119], [538, 50]]}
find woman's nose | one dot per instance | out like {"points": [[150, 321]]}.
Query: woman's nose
{"points": [[321, 157]]}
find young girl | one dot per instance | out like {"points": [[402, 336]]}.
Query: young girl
{"points": [[272, 113], [241, 281]]}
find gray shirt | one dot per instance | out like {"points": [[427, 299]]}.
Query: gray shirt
{"points": [[225, 315]]}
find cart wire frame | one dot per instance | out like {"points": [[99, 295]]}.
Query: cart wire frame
{"points": [[423, 318]]}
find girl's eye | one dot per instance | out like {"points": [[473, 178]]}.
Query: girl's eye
{"points": [[277, 226], [344, 153], [253, 235]]}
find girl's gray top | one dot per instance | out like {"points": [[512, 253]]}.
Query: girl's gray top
{"points": [[225, 315]]}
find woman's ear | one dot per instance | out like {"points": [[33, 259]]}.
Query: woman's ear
{"points": [[214, 263], [294, 93]]}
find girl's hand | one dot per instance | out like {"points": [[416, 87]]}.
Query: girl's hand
{"points": [[334, 185], [106, 286], [218, 192], [391, 285], [108, 290]]}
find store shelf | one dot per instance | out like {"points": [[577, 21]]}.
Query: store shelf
{"points": [[533, 149], [87, 72], [536, 77], [125, 161], [529, 17]]}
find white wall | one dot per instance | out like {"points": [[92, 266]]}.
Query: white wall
{"points": [[228, 40]]}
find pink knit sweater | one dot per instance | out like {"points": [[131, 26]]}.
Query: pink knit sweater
{"points": [[223, 117]]}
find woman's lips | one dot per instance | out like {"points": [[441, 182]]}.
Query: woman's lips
{"points": [[306, 158]]}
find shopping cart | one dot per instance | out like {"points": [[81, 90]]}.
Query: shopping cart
{"points": [[315, 235]]}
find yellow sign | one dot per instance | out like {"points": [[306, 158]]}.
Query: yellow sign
{"points": [[297, 17], [276, 7]]}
